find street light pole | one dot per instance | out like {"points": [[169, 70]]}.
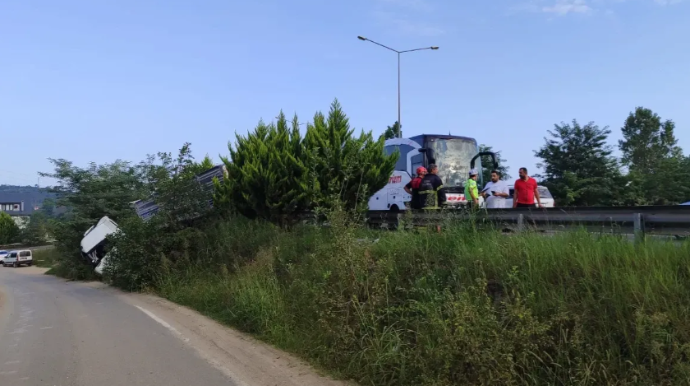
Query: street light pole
{"points": [[399, 53], [399, 123]]}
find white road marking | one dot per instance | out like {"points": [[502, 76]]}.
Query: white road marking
{"points": [[162, 323], [201, 353], [8, 372], [46, 328], [11, 362]]}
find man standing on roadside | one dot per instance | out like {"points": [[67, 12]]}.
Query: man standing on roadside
{"points": [[525, 191], [471, 190], [412, 188], [495, 192], [431, 192]]}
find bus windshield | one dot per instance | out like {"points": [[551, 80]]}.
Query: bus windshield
{"points": [[453, 158]]}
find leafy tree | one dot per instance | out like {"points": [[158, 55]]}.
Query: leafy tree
{"points": [[347, 167], [109, 190], [647, 141], [487, 164], [274, 172], [48, 207], [268, 174], [392, 131], [37, 229], [96, 191], [579, 168], [194, 168], [656, 165], [9, 231], [176, 192]]}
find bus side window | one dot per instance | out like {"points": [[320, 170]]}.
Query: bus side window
{"points": [[401, 165]]}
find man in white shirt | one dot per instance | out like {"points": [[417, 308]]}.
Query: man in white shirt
{"points": [[495, 192]]}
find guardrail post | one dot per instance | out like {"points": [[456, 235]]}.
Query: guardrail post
{"points": [[521, 222], [638, 219]]}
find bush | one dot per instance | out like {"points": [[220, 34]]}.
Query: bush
{"points": [[274, 173], [9, 231], [69, 262], [46, 257], [142, 251]]}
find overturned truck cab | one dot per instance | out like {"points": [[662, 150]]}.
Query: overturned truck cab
{"points": [[94, 242]]}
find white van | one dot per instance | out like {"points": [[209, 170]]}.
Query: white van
{"points": [[17, 258], [547, 200]]}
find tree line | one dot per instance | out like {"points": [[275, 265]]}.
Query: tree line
{"points": [[275, 171], [579, 167]]}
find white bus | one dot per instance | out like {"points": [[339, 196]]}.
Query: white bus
{"points": [[453, 155]]}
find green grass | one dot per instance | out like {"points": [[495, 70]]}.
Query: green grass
{"points": [[456, 308], [45, 257], [460, 307]]}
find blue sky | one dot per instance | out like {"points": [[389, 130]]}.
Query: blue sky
{"points": [[102, 80]]}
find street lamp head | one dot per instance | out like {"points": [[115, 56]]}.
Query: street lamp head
{"points": [[361, 38], [434, 48]]}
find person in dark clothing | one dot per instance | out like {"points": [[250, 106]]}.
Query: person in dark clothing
{"points": [[412, 188], [431, 192]]}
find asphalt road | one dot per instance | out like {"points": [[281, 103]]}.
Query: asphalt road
{"points": [[62, 334]]}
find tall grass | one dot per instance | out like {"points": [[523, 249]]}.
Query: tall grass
{"points": [[45, 257], [460, 307]]}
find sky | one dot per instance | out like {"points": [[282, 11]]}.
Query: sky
{"points": [[96, 81]]}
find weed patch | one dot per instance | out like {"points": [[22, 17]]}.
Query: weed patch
{"points": [[46, 257], [460, 307]]}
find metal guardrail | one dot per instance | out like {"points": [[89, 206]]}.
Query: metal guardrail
{"points": [[639, 220]]}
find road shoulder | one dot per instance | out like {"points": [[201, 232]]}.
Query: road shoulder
{"points": [[244, 359]]}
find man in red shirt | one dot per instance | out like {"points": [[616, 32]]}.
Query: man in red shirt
{"points": [[525, 191]]}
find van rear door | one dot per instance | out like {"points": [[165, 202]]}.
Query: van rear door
{"points": [[24, 256]]}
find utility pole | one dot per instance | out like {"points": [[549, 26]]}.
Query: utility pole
{"points": [[399, 134]]}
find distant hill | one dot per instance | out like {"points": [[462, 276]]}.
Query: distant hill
{"points": [[32, 196]]}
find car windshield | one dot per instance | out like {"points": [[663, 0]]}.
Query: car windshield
{"points": [[453, 158], [3, 252], [544, 192]]}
